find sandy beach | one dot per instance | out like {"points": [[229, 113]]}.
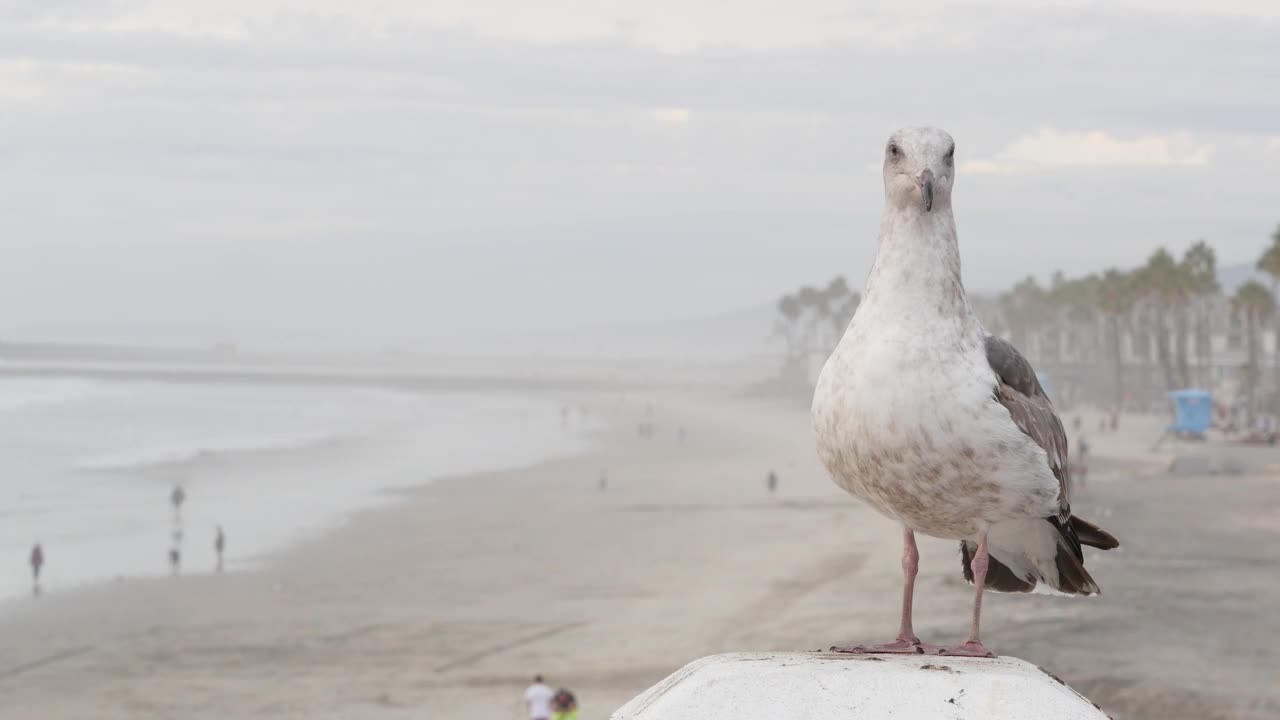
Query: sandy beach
{"points": [[444, 604]]}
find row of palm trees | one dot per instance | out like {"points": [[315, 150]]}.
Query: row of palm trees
{"points": [[1106, 336], [812, 318], [1163, 312]]}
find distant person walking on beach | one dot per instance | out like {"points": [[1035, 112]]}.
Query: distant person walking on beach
{"points": [[37, 562], [219, 544], [175, 561], [604, 481], [772, 482], [176, 498], [564, 706], [537, 699]]}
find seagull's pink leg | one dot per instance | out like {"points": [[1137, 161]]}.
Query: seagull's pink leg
{"points": [[907, 641], [973, 646]]}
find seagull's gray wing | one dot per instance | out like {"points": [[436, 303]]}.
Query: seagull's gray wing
{"points": [[1020, 393]]}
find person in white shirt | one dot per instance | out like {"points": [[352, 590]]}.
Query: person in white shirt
{"points": [[538, 699]]}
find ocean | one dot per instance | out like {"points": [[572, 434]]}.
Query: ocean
{"points": [[87, 467]]}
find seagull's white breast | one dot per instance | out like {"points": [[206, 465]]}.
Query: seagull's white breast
{"points": [[905, 419]]}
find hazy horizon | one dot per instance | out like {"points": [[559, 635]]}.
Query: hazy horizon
{"points": [[412, 177]]}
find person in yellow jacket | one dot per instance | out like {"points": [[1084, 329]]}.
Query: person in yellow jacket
{"points": [[564, 706]]}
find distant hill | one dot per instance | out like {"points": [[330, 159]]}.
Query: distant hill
{"points": [[1231, 277]]}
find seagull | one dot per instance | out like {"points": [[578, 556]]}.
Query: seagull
{"points": [[937, 424]]}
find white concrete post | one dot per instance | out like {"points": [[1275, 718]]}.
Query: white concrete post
{"points": [[829, 686]]}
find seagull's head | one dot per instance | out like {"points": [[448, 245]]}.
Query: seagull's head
{"points": [[919, 165]]}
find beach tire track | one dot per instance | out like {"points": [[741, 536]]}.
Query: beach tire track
{"points": [[495, 649], [783, 593], [47, 660]]}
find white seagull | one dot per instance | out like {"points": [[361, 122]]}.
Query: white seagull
{"points": [[938, 425]]}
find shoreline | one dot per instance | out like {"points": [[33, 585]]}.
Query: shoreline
{"points": [[445, 603], [320, 377], [244, 484]]}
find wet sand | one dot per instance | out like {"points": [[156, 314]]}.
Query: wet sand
{"points": [[444, 605]]}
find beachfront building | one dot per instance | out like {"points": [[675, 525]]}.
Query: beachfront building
{"points": [[1210, 347], [1078, 356]]}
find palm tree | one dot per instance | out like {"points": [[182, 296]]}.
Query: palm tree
{"points": [[814, 302], [1116, 298], [1083, 314], [836, 294], [1255, 305], [837, 288], [1073, 309], [1269, 263], [789, 309], [1200, 270], [1023, 308], [1164, 289], [1053, 315]]}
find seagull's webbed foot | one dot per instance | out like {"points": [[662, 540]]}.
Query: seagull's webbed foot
{"points": [[969, 649], [908, 646]]}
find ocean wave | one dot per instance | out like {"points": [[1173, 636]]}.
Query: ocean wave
{"points": [[178, 457], [21, 394]]}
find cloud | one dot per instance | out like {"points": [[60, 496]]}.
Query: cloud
{"points": [[599, 139], [1096, 149], [672, 116]]}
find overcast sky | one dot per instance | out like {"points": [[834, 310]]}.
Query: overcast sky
{"points": [[398, 171]]}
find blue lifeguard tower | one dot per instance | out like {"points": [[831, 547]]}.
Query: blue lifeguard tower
{"points": [[1194, 412]]}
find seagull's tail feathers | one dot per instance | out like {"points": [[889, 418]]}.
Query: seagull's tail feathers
{"points": [[1092, 535], [1041, 555]]}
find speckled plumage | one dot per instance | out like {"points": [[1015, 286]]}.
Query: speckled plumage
{"points": [[933, 423]]}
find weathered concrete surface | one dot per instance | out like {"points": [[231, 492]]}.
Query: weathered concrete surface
{"points": [[829, 686]]}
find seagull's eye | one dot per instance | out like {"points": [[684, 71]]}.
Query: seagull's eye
{"points": [[951, 154], [894, 151]]}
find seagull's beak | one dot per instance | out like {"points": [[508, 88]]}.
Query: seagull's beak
{"points": [[925, 181]]}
